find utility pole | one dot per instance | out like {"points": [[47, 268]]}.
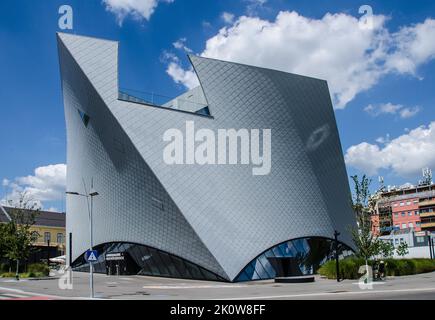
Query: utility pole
{"points": [[337, 266]]}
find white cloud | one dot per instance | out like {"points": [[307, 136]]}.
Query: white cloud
{"points": [[334, 48], [206, 24], [393, 109], [187, 77], [409, 112], [227, 17], [180, 44], [383, 140], [406, 155], [138, 9], [46, 184], [254, 5], [415, 45]]}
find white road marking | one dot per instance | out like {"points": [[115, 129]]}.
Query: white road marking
{"points": [[18, 291], [11, 295], [193, 286], [329, 294]]}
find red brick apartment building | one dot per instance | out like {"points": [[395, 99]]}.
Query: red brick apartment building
{"points": [[411, 208]]}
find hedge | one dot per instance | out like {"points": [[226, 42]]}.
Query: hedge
{"points": [[394, 267], [34, 270]]}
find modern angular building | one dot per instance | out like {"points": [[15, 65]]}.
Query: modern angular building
{"points": [[210, 221]]}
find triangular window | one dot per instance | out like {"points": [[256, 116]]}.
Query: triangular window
{"points": [[204, 111], [84, 116]]}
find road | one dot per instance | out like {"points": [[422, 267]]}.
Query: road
{"points": [[140, 287], [16, 294]]}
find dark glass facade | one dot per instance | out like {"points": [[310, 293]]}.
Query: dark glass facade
{"points": [[144, 260], [310, 254]]}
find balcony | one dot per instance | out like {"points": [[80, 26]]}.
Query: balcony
{"points": [[427, 214], [425, 225], [427, 203]]}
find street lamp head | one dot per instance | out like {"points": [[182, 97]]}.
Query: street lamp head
{"points": [[72, 193], [93, 193]]}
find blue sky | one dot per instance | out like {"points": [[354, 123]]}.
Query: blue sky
{"points": [[382, 81]]}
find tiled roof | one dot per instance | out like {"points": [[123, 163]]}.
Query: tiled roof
{"points": [[43, 218]]}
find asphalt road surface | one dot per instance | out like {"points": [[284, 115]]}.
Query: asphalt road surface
{"points": [[140, 287]]}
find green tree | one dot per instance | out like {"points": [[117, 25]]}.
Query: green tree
{"points": [[363, 205], [3, 239], [386, 249], [18, 236], [402, 249]]}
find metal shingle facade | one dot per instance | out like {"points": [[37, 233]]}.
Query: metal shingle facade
{"points": [[220, 217]]}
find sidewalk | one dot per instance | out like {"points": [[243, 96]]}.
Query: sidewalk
{"points": [[141, 287]]}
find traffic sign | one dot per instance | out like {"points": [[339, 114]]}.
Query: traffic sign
{"points": [[91, 255]]}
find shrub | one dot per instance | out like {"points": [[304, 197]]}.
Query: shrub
{"points": [[4, 267], [26, 275], [394, 267], [348, 268], [400, 267], [8, 275], [424, 265], [38, 268], [23, 275]]}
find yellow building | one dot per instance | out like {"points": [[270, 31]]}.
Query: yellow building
{"points": [[48, 232]]}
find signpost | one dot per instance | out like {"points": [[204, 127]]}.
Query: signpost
{"points": [[91, 256]]}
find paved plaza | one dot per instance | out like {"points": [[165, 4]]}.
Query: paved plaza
{"points": [[140, 287]]}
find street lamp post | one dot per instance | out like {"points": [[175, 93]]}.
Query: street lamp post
{"points": [[70, 249], [48, 252], [88, 196], [337, 266], [429, 238]]}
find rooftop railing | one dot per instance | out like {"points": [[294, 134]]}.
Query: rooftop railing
{"points": [[158, 100]]}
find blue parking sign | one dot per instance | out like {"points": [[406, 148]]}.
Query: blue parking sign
{"points": [[91, 255]]}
